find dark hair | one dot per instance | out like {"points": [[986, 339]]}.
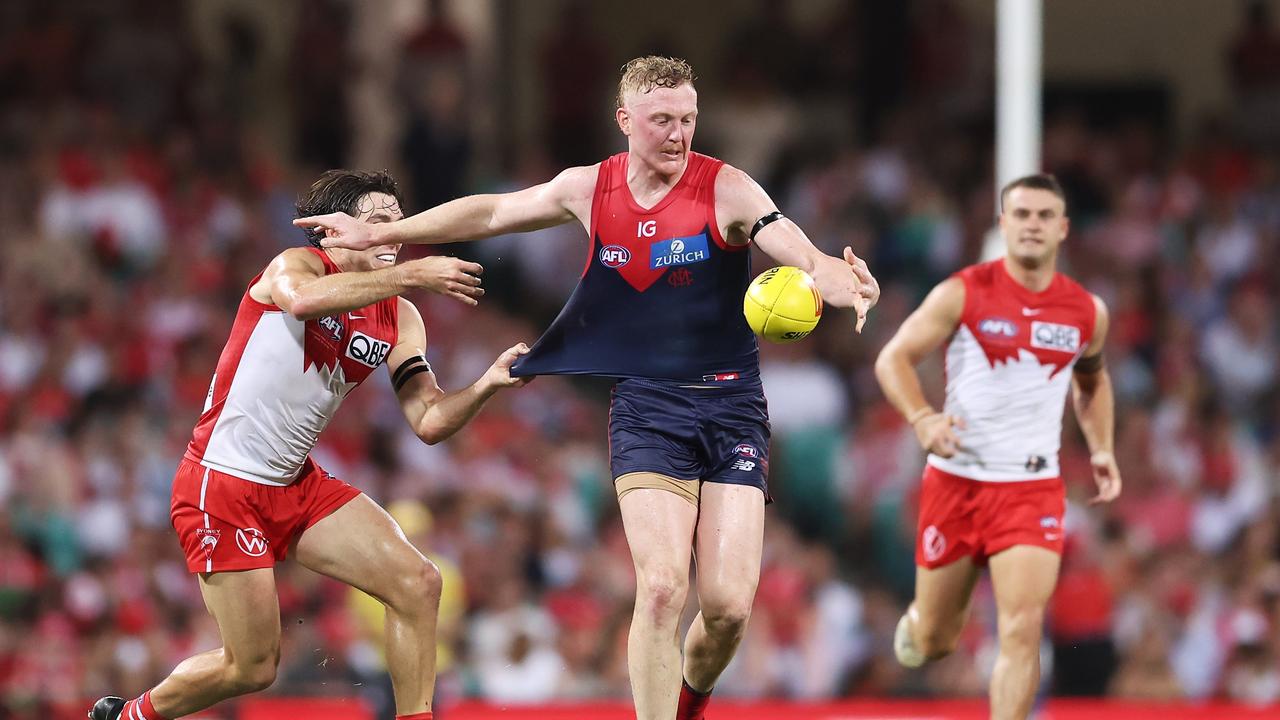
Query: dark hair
{"points": [[340, 191], [1039, 181]]}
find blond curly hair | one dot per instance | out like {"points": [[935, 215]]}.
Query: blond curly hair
{"points": [[653, 71]]}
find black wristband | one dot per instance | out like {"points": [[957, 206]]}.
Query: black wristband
{"points": [[1089, 365], [764, 221]]}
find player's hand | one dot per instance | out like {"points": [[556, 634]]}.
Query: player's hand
{"points": [[448, 276], [499, 374], [936, 433], [846, 283], [340, 231], [868, 289], [1107, 475]]}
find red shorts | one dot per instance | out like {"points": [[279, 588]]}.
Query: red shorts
{"points": [[960, 517], [228, 523]]}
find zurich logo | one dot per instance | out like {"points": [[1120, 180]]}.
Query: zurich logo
{"points": [[614, 256], [679, 251]]}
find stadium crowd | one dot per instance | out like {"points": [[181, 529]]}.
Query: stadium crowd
{"points": [[134, 213]]}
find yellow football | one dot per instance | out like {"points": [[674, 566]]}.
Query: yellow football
{"points": [[782, 304]]}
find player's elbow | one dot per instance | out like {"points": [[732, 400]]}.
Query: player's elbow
{"points": [[432, 434], [302, 309], [887, 363]]}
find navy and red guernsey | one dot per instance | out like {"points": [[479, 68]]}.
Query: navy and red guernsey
{"points": [[661, 295]]}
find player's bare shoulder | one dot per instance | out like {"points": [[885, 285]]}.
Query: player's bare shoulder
{"points": [[945, 301], [574, 188], [740, 201], [295, 260]]}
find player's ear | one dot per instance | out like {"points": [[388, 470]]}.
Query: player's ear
{"points": [[624, 120]]}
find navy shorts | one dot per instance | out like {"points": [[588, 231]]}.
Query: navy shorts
{"points": [[714, 434]]}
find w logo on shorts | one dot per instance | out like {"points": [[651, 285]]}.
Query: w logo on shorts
{"points": [[251, 542], [934, 543]]}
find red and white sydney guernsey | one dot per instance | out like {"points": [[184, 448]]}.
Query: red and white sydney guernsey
{"points": [[1008, 370], [279, 382]]}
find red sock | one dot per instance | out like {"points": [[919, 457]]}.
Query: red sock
{"points": [[140, 708], [416, 716], [692, 703]]}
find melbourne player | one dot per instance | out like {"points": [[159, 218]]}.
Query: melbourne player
{"points": [[1019, 334], [659, 306], [310, 328]]}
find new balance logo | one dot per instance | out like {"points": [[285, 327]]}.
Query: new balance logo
{"points": [[743, 465]]}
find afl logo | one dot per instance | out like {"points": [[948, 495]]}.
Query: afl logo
{"points": [[747, 450], [251, 542], [998, 327], [614, 256]]}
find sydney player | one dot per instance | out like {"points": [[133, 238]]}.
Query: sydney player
{"points": [[310, 328], [659, 306], [1019, 335]]}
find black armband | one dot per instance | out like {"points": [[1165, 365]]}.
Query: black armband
{"points": [[763, 222], [408, 369], [1089, 364]]}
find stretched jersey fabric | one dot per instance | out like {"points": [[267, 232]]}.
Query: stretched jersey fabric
{"points": [[1008, 370], [279, 382], [661, 294]]}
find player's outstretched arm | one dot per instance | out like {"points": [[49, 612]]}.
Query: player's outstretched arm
{"points": [[922, 333], [434, 414], [295, 281], [474, 217], [1094, 404], [843, 282]]}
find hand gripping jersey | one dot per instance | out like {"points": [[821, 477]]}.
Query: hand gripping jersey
{"points": [[661, 295], [1008, 370], [279, 382]]}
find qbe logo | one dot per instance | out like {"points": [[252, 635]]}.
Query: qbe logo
{"points": [[251, 542], [1052, 336], [614, 256], [678, 251], [366, 350]]}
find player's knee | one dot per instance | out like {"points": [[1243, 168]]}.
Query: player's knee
{"points": [[727, 618], [1021, 627], [254, 672], [662, 593], [416, 587]]}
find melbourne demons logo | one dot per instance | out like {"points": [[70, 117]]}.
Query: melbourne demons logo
{"points": [[614, 256], [679, 278], [251, 542]]}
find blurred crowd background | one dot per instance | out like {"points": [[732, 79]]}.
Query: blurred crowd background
{"points": [[150, 155]]}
